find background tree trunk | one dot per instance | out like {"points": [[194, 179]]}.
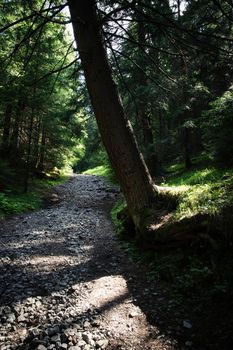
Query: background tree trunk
{"points": [[6, 131], [115, 129], [147, 132], [40, 166]]}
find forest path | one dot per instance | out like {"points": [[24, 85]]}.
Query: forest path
{"points": [[64, 281]]}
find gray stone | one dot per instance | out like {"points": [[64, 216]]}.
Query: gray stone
{"points": [[81, 343], [11, 318], [38, 304], [103, 343], [96, 323], [87, 338], [64, 338], [187, 324], [70, 332], [188, 343], [6, 309], [87, 347], [52, 346], [41, 347], [86, 324], [34, 332], [53, 330], [21, 318], [56, 338]]}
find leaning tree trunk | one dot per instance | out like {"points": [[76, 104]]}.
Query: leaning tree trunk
{"points": [[116, 131]]}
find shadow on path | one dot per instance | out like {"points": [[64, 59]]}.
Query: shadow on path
{"points": [[39, 259]]}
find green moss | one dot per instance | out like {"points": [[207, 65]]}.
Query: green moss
{"points": [[205, 191], [118, 208]]}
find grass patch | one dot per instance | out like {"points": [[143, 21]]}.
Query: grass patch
{"points": [[118, 207], [199, 277], [13, 201], [204, 191], [102, 170]]}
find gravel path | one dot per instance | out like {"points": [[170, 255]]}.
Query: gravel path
{"points": [[63, 281]]}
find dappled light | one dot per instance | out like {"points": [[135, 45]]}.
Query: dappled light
{"points": [[116, 175]]}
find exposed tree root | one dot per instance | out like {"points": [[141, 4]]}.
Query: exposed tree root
{"points": [[160, 229]]}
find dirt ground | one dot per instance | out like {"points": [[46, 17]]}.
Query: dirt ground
{"points": [[65, 283]]}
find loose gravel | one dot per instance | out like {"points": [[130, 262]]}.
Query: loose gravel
{"points": [[62, 283]]}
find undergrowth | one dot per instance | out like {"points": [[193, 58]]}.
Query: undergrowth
{"points": [[118, 207], [102, 170], [13, 201], [201, 272], [204, 191]]}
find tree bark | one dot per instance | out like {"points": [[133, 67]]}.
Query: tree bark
{"points": [[6, 131], [14, 144], [116, 131], [187, 148], [150, 155], [28, 164], [40, 166]]}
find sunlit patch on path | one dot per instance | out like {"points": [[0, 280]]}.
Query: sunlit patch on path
{"points": [[63, 283]]}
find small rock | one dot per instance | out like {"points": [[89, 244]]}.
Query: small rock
{"points": [[103, 343], [34, 332], [21, 318], [187, 324], [133, 314], [41, 347], [87, 347], [23, 333], [38, 304], [75, 347], [5, 347], [188, 343], [96, 323], [56, 338], [52, 346], [64, 338], [11, 318], [53, 330], [69, 332], [81, 343], [86, 324], [87, 338]]}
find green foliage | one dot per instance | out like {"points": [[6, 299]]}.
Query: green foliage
{"points": [[119, 206], [188, 277], [40, 118], [218, 125], [186, 270], [102, 170], [7, 174], [93, 153], [205, 191], [15, 202]]}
